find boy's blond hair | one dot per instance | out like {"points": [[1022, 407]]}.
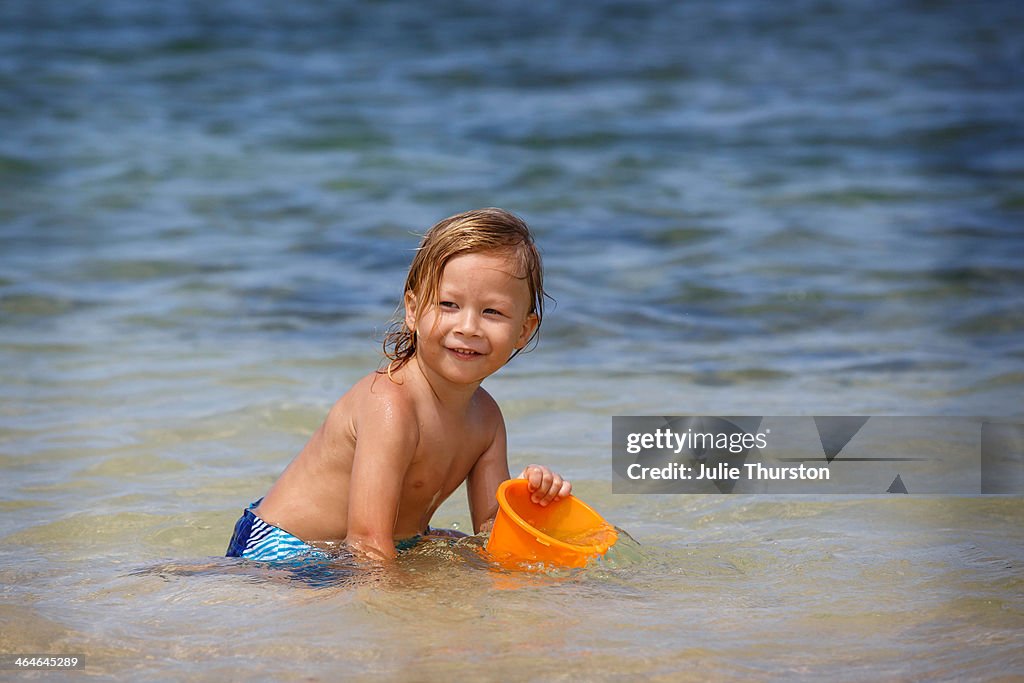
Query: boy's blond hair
{"points": [[480, 230]]}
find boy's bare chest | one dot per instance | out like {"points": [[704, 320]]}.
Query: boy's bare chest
{"points": [[444, 457]]}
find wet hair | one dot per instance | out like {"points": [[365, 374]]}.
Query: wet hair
{"points": [[477, 231]]}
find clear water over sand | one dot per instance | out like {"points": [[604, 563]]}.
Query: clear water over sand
{"points": [[206, 211]]}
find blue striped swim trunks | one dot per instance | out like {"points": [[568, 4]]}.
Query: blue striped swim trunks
{"points": [[254, 539]]}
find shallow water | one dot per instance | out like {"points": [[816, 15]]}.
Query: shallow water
{"points": [[206, 211]]}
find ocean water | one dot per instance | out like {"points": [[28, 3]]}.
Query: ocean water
{"points": [[801, 208]]}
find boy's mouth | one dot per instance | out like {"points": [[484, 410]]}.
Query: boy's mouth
{"points": [[464, 353]]}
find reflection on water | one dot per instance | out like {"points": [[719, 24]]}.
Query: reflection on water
{"points": [[745, 208]]}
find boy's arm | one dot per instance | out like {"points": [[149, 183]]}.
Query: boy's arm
{"points": [[490, 470], [386, 442]]}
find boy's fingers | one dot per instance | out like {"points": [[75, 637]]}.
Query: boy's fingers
{"points": [[543, 492], [545, 485], [560, 489], [540, 479], [553, 486], [531, 476]]}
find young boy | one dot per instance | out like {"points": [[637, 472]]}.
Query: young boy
{"points": [[402, 440]]}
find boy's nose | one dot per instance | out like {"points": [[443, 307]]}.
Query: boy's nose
{"points": [[468, 323]]}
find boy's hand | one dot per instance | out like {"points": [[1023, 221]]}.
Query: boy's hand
{"points": [[545, 485]]}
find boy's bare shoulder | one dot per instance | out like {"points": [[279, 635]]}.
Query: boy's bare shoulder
{"points": [[376, 391], [485, 401], [488, 407], [374, 395]]}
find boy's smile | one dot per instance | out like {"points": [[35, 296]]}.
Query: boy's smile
{"points": [[481, 317]]}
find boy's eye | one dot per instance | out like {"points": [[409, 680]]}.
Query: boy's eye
{"points": [[492, 311], [447, 304]]}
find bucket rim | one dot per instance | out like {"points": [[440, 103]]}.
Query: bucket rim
{"points": [[503, 503]]}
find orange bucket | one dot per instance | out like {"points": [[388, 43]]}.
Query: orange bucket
{"points": [[565, 533]]}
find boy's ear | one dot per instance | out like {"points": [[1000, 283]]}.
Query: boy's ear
{"points": [[529, 327], [410, 311]]}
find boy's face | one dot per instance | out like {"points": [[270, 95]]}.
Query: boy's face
{"points": [[482, 316]]}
